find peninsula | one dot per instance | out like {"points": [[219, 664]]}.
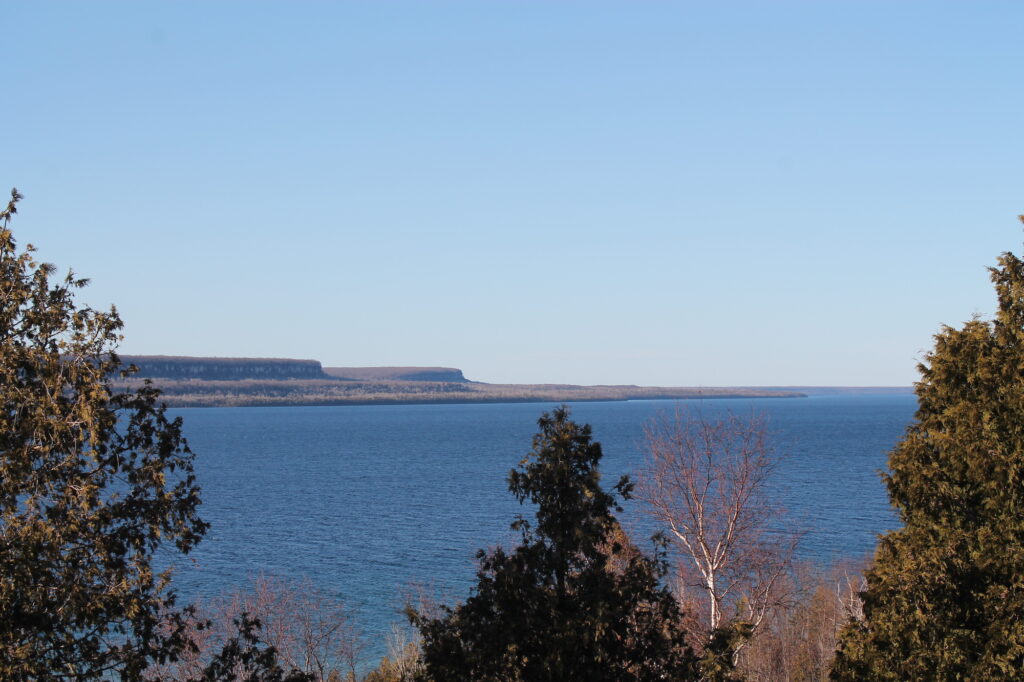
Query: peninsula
{"points": [[228, 382]]}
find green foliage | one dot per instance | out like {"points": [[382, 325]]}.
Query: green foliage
{"points": [[945, 596], [92, 484], [565, 604]]}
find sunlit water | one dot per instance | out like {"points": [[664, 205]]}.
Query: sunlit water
{"points": [[365, 501]]}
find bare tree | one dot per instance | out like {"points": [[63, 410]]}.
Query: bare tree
{"points": [[402, 662], [309, 631], [797, 642], [706, 482]]}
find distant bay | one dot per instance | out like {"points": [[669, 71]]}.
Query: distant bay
{"points": [[366, 500]]}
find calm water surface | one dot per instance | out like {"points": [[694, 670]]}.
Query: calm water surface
{"points": [[367, 500]]}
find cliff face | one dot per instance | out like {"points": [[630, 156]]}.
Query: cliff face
{"points": [[239, 369], [440, 374], [223, 369]]}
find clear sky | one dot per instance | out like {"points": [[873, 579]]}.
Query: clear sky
{"points": [[658, 193]]}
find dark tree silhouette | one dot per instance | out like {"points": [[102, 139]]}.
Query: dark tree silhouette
{"points": [[92, 484], [571, 601]]}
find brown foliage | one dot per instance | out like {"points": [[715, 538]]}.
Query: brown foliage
{"points": [[797, 641], [403, 662], [310, 631]]}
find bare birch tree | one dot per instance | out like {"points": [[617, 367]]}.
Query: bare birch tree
{"points": [[706, 482]]}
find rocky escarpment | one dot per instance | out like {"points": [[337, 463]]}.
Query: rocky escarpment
{"points": [[441, 374], [223, 369]]}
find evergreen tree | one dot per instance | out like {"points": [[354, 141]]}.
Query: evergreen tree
{"points": [[92, 484], [945, 596], [567, 603]]}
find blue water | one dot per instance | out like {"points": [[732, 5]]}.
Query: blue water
{"points": [[365, 501]]}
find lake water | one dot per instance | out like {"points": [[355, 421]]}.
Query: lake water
{"points": [[365, 501]]}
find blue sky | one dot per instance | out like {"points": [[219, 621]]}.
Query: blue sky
{"points": [[741, 193]]}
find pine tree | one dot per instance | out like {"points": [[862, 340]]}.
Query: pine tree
{"points": [[92, 484], [571, 602], [945, 595]]}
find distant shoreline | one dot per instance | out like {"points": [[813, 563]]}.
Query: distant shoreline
{"points": [[299, 392], [456, 401], [281, 382]]}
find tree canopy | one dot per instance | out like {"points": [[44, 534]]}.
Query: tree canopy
{"points": [[93, 483], [573, 600], [946, 592]]}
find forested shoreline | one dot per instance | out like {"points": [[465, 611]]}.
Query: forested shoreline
{"points": [[270, 393]]}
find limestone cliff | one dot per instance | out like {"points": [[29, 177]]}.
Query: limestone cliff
{"points": [[442, 374], [223, 369]]}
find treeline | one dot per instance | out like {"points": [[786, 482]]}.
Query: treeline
{"points": [[97, 481], [254, 392], [321, 637], [578, 598]]}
